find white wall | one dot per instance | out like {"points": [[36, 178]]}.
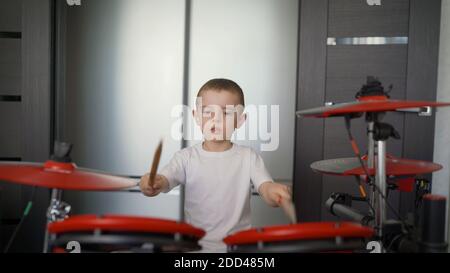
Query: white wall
{"points": [[124, 76], [441, 179], [253, 42]]}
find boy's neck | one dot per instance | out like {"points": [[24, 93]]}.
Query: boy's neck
{"points": [[217, 146]]}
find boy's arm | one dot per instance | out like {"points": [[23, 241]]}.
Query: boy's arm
{"points": [[271, 192], [274, 194], [167, 178]]}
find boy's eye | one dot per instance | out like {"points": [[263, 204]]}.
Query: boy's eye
{"points": [[206, 114]]}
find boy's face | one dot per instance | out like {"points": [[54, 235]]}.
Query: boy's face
{"points": [[218, 113]]}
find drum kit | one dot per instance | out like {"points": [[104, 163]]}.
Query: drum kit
{"points": [[376, 170], [382, 172]]}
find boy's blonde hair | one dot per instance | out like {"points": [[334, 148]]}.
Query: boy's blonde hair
{"points": [[223, 85]]}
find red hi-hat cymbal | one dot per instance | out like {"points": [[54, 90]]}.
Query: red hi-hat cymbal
{"points": [[365, 105], [63, 176], [394, 167]]}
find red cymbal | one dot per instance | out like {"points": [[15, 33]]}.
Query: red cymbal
{"points": [[64, 176], [394, 166], [367, 104]]}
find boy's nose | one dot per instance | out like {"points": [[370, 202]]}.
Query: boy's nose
{"points": [[217, 118]]}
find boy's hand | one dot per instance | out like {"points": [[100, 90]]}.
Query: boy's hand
{"points": [[279, 195], [159, 184], [274, 193]]}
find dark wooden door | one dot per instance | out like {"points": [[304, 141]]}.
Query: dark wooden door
{"points": [[25, 113], [332, 69]]}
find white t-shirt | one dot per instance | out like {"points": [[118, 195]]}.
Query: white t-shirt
{"points": [[217, 189]]}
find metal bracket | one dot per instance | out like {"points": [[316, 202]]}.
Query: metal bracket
{"points": [[421, 111]]}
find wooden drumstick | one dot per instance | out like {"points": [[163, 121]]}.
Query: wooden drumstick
{"points": [[154, 167], [289, 209]]}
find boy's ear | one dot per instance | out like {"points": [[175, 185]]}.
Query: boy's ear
{"points": [[197, 118], [241, 120]]}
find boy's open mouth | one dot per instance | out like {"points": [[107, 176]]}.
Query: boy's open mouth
{"points": [[215, 130]]}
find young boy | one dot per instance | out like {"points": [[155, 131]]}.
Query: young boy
{"points": [[217, 172]]}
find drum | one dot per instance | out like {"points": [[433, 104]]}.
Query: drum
{"points": [[114, 233], [304, 237]]}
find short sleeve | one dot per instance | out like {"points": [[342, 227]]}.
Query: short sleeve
{"points": [[258, 171], [175, 170]]}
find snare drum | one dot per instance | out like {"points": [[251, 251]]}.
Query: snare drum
{"points": [[304, 237], [113, 233]]}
